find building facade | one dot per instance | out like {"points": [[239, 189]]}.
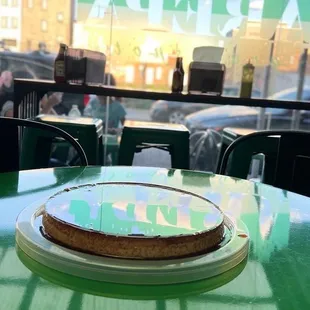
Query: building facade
{"points": [[46, 21], [10, 24], [26, 23]]}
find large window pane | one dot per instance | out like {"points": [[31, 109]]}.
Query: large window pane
{"points": [[142, 39]]}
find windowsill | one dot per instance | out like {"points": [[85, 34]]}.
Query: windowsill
{"points": [[46, 85]]}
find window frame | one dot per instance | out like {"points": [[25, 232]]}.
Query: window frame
{"points": [[2, 19]]}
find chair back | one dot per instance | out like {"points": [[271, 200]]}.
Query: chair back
{"points": [[293, 163], [287, 158], [9, 135], [9, 150]]}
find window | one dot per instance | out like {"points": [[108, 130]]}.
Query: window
{"points": [[130, 74], [149, 79], [44, 4], [142, 39], [10, 42], [4, 22], [44, 25], [14, 22], [159, 72], [60, 17]]}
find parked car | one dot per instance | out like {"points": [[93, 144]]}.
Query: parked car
{"points": [[175, 111], [28, 65], [246, 117]]}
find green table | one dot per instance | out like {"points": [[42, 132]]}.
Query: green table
{"points": [[276, 275]]}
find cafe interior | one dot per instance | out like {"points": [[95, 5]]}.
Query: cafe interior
{"points": [[154, 154]]}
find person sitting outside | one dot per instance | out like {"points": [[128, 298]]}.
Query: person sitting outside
{"points": [[42, 50], [47, 104], [97, 108], [6, 87]]}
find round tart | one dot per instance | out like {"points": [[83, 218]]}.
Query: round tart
{"points": [[137, 221]]}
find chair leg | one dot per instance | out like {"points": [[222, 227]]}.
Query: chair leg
{"points": [[126, 155], [100, 151], [180, 157], [9, 159]]}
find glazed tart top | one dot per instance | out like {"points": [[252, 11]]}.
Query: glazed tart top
{"points": [[138, 210]]}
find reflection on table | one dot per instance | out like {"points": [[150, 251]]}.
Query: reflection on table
{"points": [[278, 223]]}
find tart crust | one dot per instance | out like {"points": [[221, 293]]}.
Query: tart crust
{"points": [[140, 247]]}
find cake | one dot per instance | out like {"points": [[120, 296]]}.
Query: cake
{"points": [[135, 221]]}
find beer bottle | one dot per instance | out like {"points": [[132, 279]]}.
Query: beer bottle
{"points": [[178, 76], [247, 80], [59, 66]]}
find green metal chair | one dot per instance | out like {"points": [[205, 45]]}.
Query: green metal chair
{"points": [[229, 135], [87, 131], [137, 136], [112, 146], [10, 129], [287, 158]]}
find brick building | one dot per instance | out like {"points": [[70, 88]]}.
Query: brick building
{"points": [[149, 75], [46, 21]]}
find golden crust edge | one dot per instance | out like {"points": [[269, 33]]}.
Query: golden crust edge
{"points": [[130, 247]]}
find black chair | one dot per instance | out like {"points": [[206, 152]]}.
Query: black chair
{"points": [[10, 142], [287, 158]]}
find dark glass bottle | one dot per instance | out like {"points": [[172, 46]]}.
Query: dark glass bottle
{"points": [[59, 66], [247, 80], [178, 76]]}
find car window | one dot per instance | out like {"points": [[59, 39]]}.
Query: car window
{"points": [[231, 92], [291, 95], [256, 93], [276, 111], [280, 122], [235, 91], [248, 121]]}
